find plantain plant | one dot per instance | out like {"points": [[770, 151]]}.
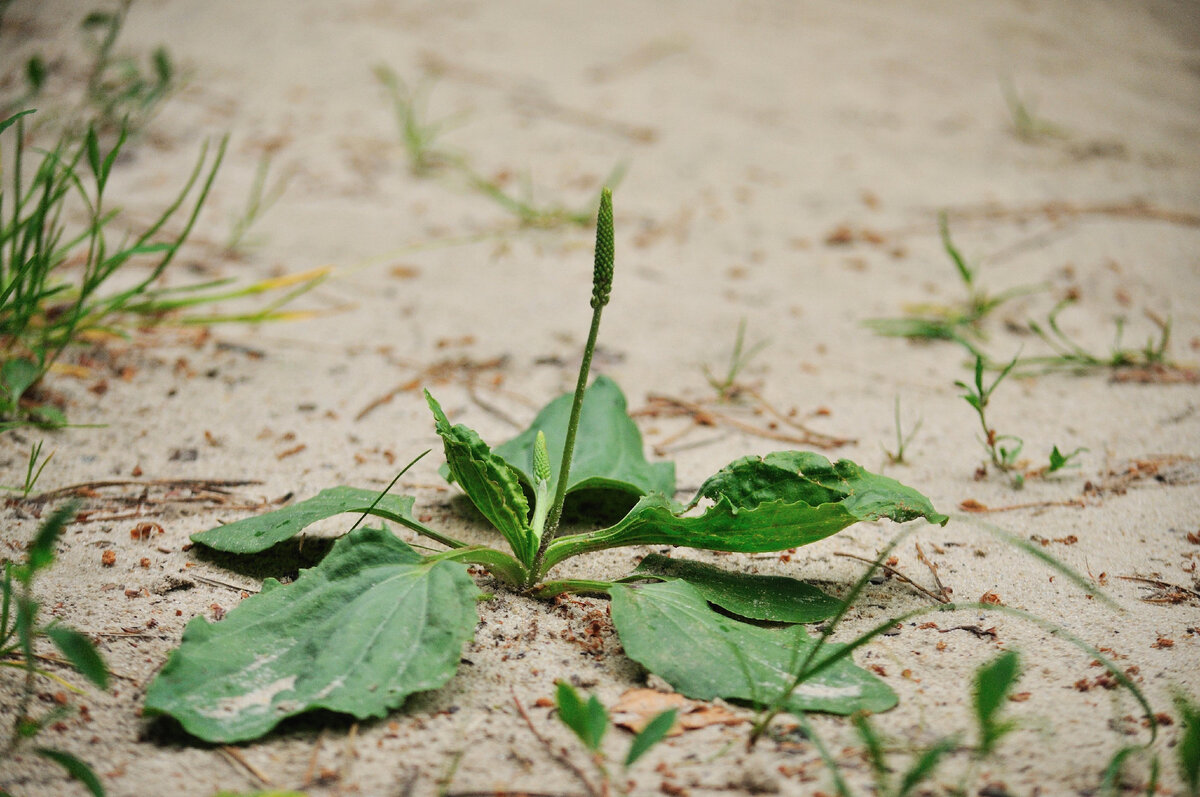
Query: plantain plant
{"points": [[375, 621]]}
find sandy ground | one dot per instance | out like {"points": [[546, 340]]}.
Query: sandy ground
{"points": [[786, 162]]}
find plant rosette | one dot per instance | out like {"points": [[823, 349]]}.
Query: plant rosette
{"points": [[375, 621]]}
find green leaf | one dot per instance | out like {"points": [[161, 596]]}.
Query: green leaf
{"points": [[608, 446], [669, 629], [11, 120], [75, 767], [805, 477], [772, 598], [489, 482], [992, 684], [260, 532], [82, 654], [358, 633], [41, 550], [1187, 751], [761, 505], [588, 720], [923, 768], [16, 376], [655, 731]]}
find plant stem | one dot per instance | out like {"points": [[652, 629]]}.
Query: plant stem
{"points": [[601, 288], [560, 491]]}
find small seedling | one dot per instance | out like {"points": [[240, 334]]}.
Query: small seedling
{"points": [[260, 199], [589, 721], [1028, 126], [334, 638], [993, 682], [1069, 355], [33, 470], [739, 358], [1003, 450], [19, 630], [419, 137], [122, 97], [902, 440], [528, 212], [425, 159], [961, 323], [1059, 460]]}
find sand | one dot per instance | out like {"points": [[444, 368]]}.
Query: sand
{"points": [[785, 165]]}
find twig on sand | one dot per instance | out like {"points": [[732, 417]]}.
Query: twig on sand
{"points": [[933, 569], [897, 574], [235, 756]]}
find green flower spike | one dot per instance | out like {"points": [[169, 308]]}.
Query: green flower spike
{"points": [[541, 476]]}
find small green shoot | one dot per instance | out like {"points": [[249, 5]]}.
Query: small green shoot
{"points": [[1003, 450], [1059, 460], [419, 137], [902, 440], [120, 94], [524, 207], [993, 683], [580, 443], [1027, 125], [19, 629], [739, 358], [960, 323], [1069, 355], [33, 470], [589, 721], [426, 159], [262, 197]]}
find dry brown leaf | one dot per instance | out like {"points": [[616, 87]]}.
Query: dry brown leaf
{"points": [[637, 707]]}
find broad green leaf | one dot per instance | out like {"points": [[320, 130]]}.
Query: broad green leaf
{"points": [[258, 533], [761, 505], [358, 633], [805, 477], [772, 598], [82, 654], [670, 630], [608, 446], [655, 731], [489, 482], [75, 767], [992, 684], [16, 376], [589, 720]]}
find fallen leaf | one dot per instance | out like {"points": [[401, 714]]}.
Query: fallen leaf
{"points": [[637, 707]]}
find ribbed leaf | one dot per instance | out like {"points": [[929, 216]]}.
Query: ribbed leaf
{"points": [[773, 598], [785, 500], [258, 533], [608, 446], [488, 481], [669, 629], [358, 633]]}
